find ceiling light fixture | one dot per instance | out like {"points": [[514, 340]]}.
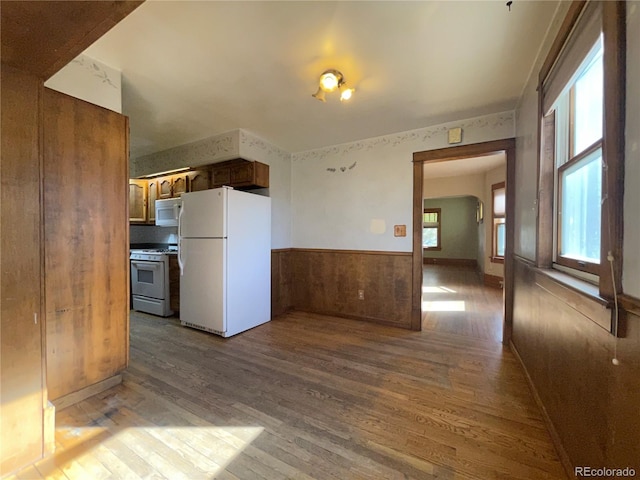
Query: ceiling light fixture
{"points": [[330, 80]]}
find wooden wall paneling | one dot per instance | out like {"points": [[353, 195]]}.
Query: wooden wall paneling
{"points": [[328, 281], [21, 368], [591, 403], [41, 37], [86, 242], [281, 281]]}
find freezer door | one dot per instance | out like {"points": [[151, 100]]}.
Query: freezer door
{"points": [[203, 214], [202, 285]]}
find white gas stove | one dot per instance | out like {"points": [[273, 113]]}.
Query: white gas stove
{"points": [[150, 280]]}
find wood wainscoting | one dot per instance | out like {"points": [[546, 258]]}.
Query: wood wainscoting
{"points": [[590, 403], [329, 282]]}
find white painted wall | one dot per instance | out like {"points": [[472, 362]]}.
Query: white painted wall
{"points": [[472, 185], [458, 227], [350, 196], [453, 186], [279, 161], [89, 80], [217, 148], [631, 260]]}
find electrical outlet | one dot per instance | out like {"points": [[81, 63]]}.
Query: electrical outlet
{"points": [[360, 294]]}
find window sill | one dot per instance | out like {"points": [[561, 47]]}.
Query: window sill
{"points": [[431, 249], [578, 294], [497, 259]]}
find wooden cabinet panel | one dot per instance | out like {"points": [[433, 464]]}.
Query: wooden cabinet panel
{"points": [[220, 176], [86, 243], [174, 283], [242, 174], [21, 375], [153, 196], [164, 187], [198, 180], [137, 201], [179, 184]]}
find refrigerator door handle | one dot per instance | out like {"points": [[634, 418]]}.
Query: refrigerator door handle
{"points": [[180, 262]]}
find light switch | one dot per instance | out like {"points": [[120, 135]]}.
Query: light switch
{"points": [[399, 230]]}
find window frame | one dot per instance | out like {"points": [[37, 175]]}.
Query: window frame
{"points": [[437, 211], [613, 29], [497, 220]]}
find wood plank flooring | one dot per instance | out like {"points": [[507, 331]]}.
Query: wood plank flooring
{"points": [[312, 397]]}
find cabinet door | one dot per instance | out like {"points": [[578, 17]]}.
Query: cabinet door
{"points": [[220, 176], [137, 201], [180, 184], [164, 187], [198, 180], [151, 204], [242, 174]]}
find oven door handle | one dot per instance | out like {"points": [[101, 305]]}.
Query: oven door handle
{"points": [[180, 262]]}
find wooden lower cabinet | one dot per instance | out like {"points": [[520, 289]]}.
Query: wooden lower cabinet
{"points": [[174, 283]]}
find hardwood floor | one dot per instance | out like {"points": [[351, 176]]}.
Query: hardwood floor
{"points": [[455, 301], [307, 396]]}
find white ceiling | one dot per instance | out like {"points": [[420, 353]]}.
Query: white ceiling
{"points": [[195, 69]]}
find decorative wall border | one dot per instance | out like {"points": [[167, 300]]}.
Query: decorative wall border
{"points": [[419, 135]]}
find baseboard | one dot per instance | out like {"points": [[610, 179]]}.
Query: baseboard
{"points": [[90, 391], [492, 281], [555, 438], [379, 321], [457, 262]]}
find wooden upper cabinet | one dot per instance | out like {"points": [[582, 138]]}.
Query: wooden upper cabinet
{"points": [[240, 173], [220, 176], [137, 201], [164, 187], [199, 180]]}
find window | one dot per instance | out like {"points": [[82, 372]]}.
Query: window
{"points": [[578, 115], [498, 204], [580, 202], [431, 229]]}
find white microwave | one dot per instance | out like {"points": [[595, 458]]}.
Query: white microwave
{"points": [[167, 212]]}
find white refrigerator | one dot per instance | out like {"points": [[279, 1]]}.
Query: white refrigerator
{"points": [[224, 252]]}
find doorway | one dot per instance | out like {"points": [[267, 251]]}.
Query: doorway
{"points": [[507, 146]]}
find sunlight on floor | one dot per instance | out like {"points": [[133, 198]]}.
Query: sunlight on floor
{"points": [[206, 450], [444, 306], [437, 290]]}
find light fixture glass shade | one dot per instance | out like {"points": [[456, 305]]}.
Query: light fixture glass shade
{"points": [[329, 81], [346, 93]]}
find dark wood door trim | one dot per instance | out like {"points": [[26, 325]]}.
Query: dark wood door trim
{"points": [[455, 153]]}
